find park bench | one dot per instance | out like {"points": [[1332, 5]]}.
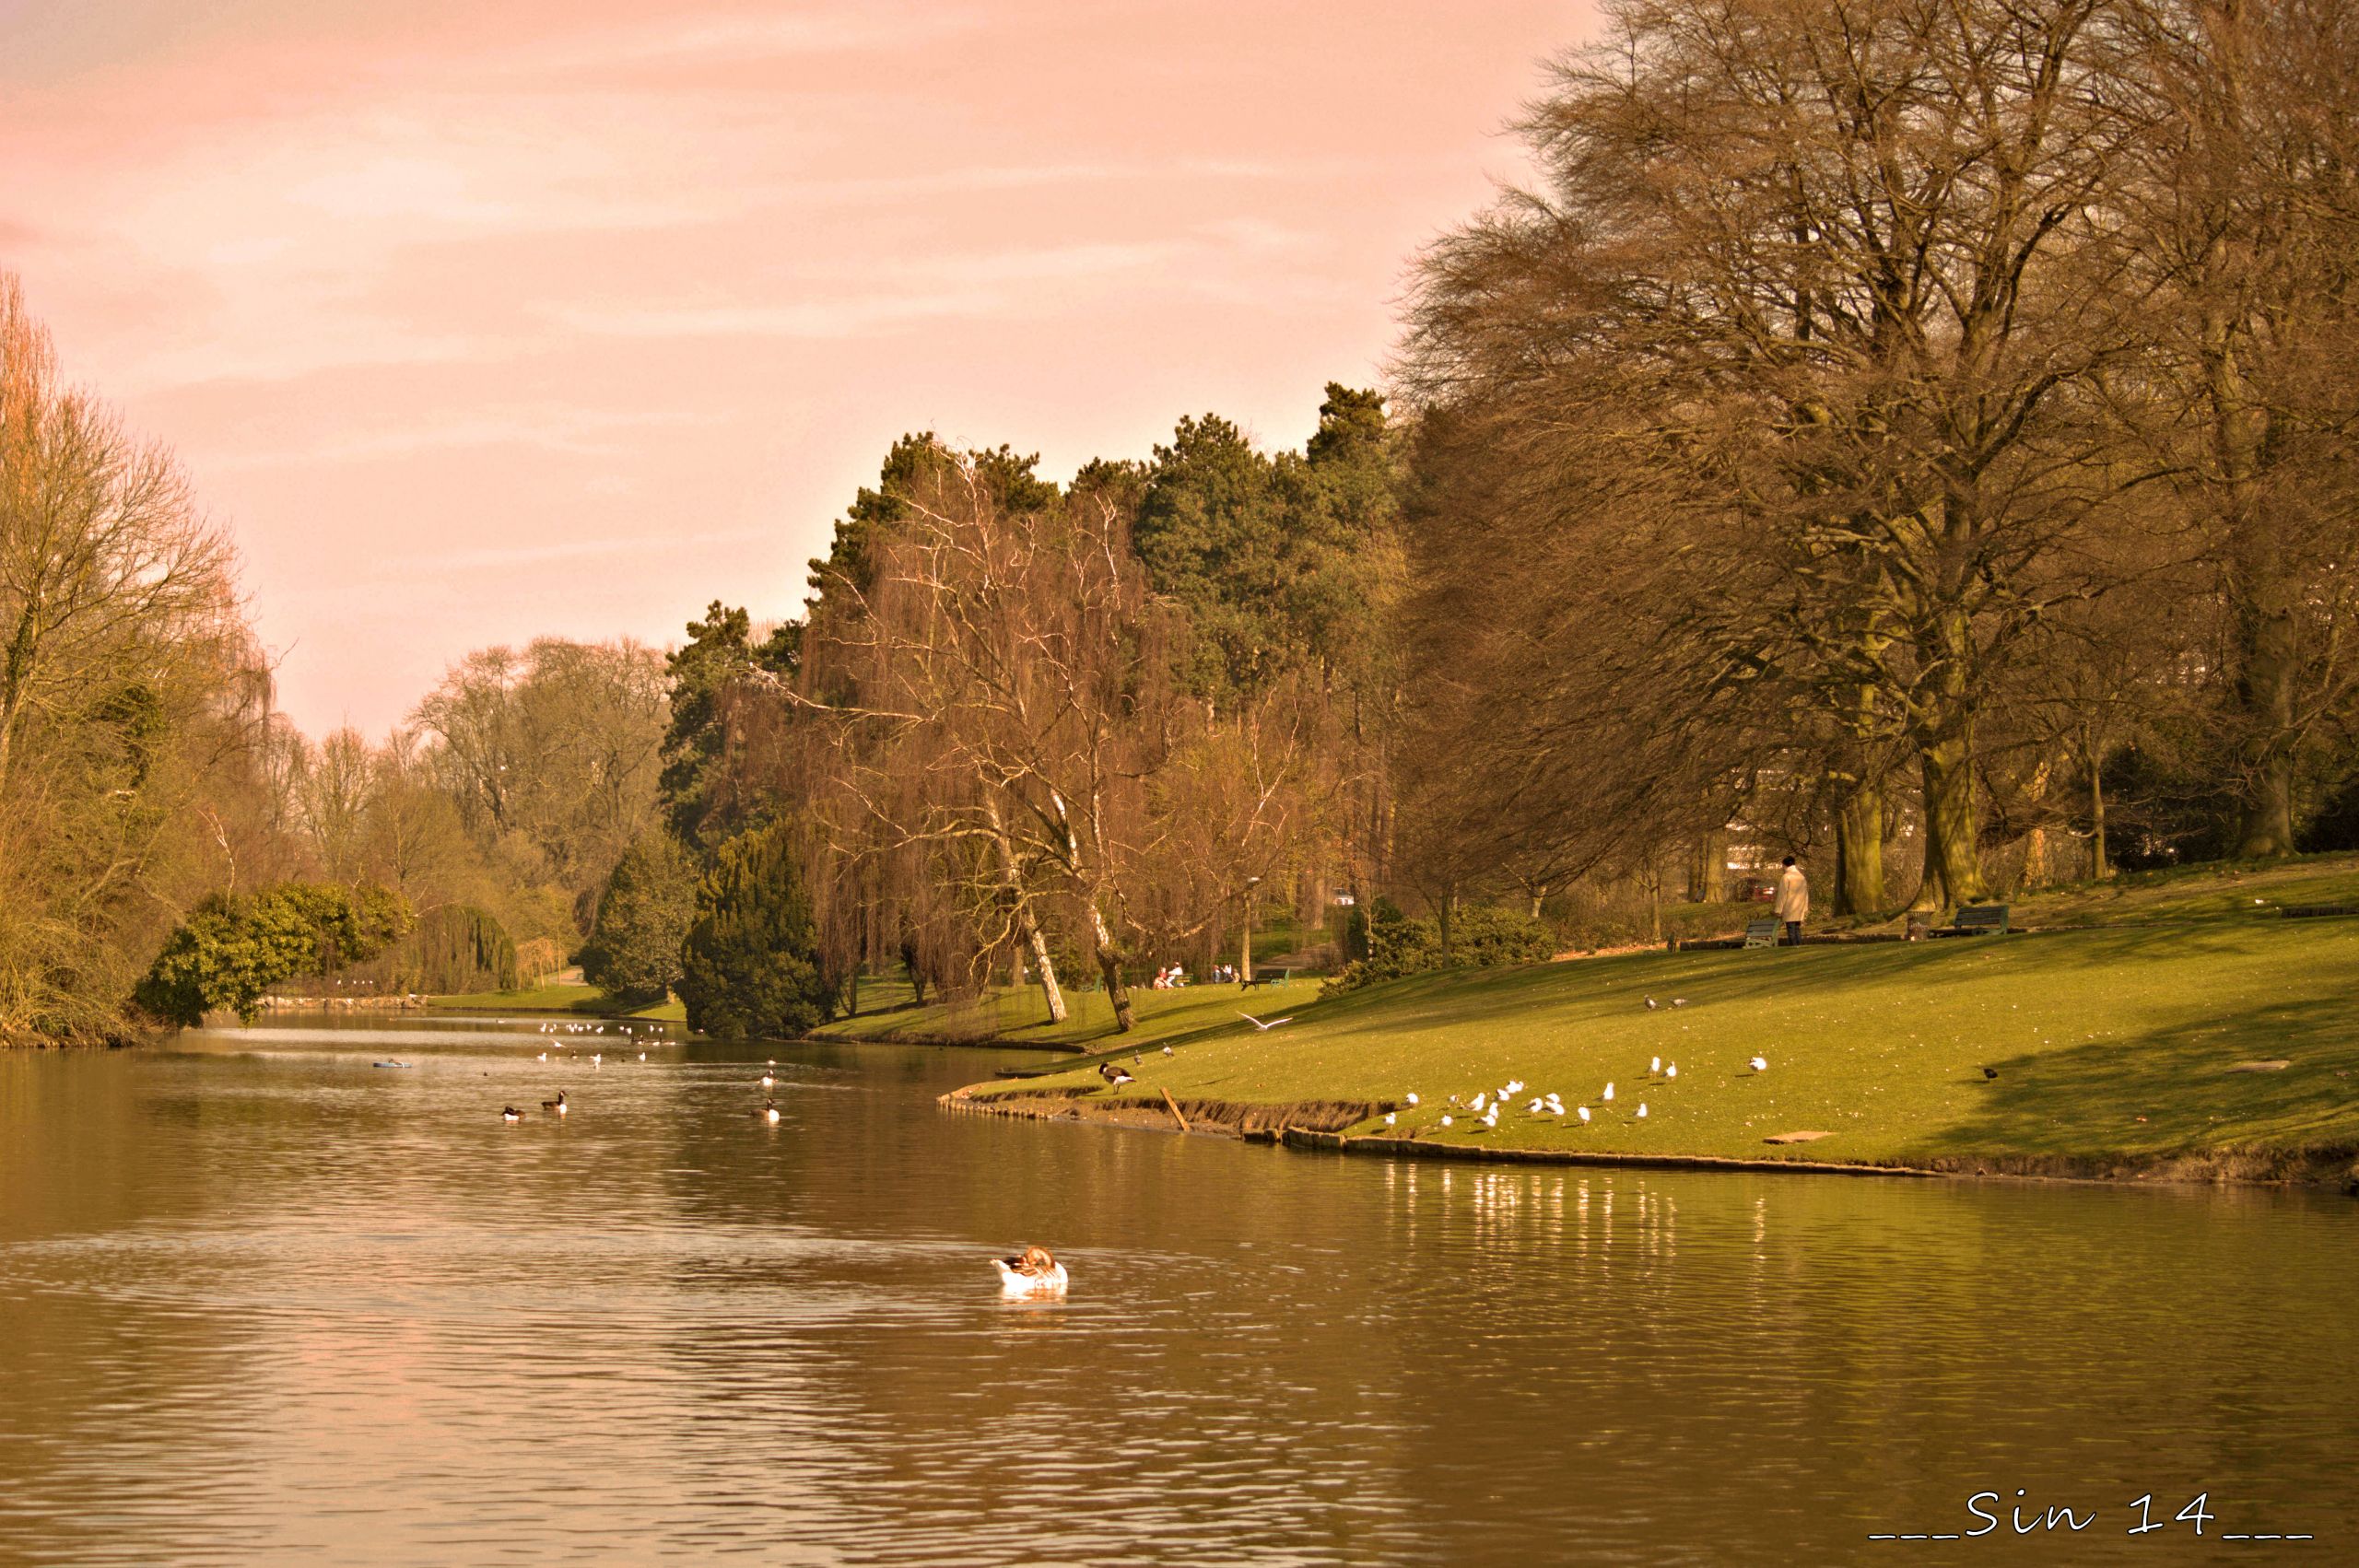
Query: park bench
{"points": [[1265, 977], [1764, 932], [1976, 919]]}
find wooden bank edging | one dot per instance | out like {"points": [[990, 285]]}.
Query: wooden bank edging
{"points": [[1318, 1126], [1410, 1148]]}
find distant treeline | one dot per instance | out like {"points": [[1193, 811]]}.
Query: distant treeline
{"points": [[1915, 436]]}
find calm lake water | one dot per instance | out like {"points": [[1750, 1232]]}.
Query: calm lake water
{"points": [[262, 1302]]}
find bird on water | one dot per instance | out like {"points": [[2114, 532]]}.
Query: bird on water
{"points": [[556, 1105], [510, 1113], [1033, 1271]]}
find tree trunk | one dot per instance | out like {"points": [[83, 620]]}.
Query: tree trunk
{"points": [[1952, 854], [1859, 851], [1110, 967], [2037, 871], [2266, 666], [1706, 870], [2100, 867], [1050, 992], [1026, 927]]}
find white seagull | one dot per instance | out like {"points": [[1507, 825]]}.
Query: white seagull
{"points": [[1642, 1110], [1583, 1114], [1411, 1099], [1608, 1095], [1760, 1064], [1265, 1027]]}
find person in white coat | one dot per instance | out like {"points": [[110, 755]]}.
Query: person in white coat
{"points": [[1793, 901]]}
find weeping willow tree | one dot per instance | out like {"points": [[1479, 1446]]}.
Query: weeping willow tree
{"points": [[459, 948]]}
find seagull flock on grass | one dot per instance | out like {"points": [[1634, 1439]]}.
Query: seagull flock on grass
{"points": [[1485, 1105]]}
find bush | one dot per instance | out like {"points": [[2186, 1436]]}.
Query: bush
{"points": [[1481, 937], [634, 948], [750, 967], [233, 947]]}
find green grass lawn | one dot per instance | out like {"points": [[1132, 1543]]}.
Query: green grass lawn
{"points": [[2110, 1044], [1021, 1018], [555, 999], [2209, 892]]}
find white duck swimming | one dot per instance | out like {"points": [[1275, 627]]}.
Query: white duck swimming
{"points": [[1031, 1272]]}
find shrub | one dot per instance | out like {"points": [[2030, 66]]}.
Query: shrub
{"points": [[634, 948], [750, 966], [1480, 937], [233, 947]]}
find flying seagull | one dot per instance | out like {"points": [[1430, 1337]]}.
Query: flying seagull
{"points": [[1265, 1027]]}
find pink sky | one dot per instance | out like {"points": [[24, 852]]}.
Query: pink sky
{"points": [[477, 320]]}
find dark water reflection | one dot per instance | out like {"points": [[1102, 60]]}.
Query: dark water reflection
{"points": [[262, 1302]]}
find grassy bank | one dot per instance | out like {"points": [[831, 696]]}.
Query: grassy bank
{"points": [[561, 998], [2116, 1050]]}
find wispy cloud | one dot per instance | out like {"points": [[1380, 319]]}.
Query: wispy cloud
{"points": [[574, 432], [551, 552]]}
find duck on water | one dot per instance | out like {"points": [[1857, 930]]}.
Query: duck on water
{"points": [[1033, 1271]]}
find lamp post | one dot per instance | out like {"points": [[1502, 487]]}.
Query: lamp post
{"points": [[1245, 954]]}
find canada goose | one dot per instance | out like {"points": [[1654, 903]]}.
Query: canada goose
{"points": [[769, 1112], [556, 1105], [1115, 1077]]}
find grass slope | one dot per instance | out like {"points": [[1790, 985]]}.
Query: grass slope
{"points": [[2112, 1044], [555, 999]]}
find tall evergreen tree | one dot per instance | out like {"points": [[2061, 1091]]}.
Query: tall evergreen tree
{"points": [[751, 966]]}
